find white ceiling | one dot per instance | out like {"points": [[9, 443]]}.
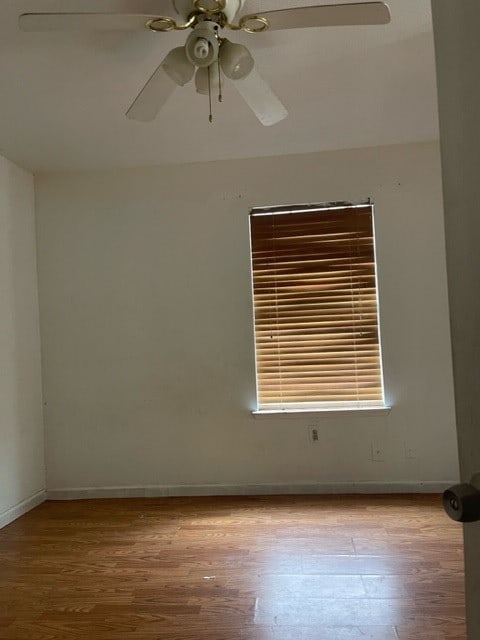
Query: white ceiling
{"points": [[63, 96]]}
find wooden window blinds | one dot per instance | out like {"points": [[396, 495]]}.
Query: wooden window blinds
{"points": [[315, 307]]}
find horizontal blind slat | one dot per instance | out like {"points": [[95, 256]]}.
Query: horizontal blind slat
{"points": [[315, 304]]}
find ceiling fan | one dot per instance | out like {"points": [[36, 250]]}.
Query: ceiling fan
{"points": [[207, 53]]}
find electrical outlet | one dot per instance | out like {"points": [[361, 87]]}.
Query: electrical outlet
{"points": [[377, 452], [410, 451], [313, 434]]}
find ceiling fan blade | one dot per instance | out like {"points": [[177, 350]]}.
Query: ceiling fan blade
{"points": [[82, 21], [152, 97], [261, 99], [333, 15]]}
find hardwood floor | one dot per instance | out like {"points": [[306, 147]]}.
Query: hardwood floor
{"points": [[276, 568]]}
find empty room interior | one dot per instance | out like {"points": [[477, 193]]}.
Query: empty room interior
{"points": [[227, 391]]}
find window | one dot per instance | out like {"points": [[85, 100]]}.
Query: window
{"points": [[315, 308]]}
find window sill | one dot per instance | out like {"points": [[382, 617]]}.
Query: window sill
{"points": [[323, 413]]}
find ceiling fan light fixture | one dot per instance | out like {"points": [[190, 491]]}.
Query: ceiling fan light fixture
{"points": [[201, 80], [178, 67], [236, 60], [202, 44]]}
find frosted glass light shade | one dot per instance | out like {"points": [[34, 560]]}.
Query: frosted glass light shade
{"points": [[201, 80], [236, 60], [178, 66]]}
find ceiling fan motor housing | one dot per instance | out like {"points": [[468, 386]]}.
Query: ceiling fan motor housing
{"points": [[186, 7], [202, 44]]}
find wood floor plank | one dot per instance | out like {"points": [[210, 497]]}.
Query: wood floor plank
{"points": [[240, 568]]}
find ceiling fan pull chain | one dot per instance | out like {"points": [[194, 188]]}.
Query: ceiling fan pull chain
{"points": [[220, 93], [210, 117]]}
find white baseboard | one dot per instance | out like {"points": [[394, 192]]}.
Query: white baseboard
{"points": [[248, 490], [8, 516]]}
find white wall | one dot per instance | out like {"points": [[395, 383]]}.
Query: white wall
{"points": [[147, 326], [22, 472]]}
